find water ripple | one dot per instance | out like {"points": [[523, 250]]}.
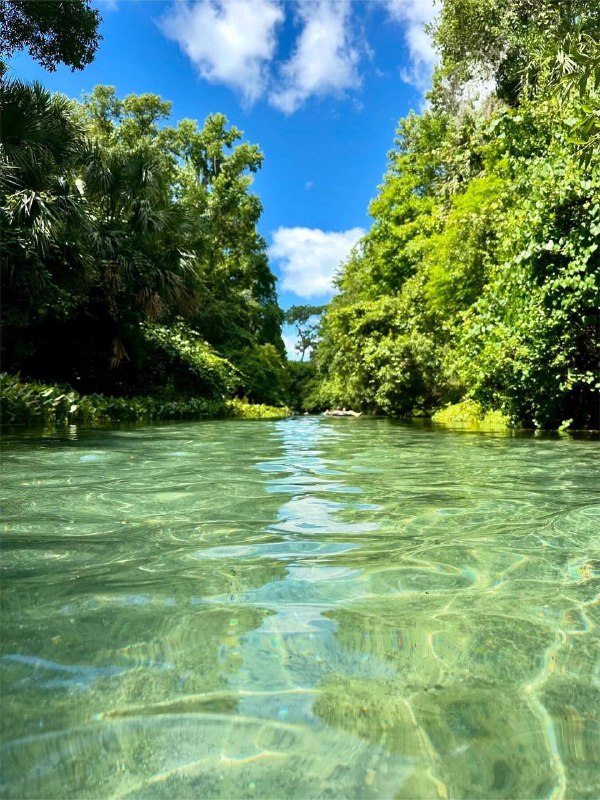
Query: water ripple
{"points": [[308, 607]]}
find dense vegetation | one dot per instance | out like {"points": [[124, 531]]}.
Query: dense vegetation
{"points": [[39, 405], [479, 279], [131, 262]]}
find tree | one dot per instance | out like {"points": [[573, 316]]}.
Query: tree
{"points": [[185, 221], [508, 41], [480, 276], [46, 264], [130, 249], [240, 302], [53, 31], [307, 326]]}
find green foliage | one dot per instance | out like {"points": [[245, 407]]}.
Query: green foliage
{"points": [[458, 258], [508, 41], [39, 405], [35, 403], [117, 229], [242, 409], [471, 414], [177, 356], [53, 31], [480, 277], [305, 389], [378, 356], [264, 377]]}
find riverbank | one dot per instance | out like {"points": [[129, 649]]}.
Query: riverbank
{"points": [[35, 404]]}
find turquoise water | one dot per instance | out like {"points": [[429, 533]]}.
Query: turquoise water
{"points": [[307, 608]]}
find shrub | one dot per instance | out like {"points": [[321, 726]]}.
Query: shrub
{"points": [[263, 376], [178, 357], [38, 405]]}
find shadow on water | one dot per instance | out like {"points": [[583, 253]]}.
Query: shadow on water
{"points": [[300, 608]]}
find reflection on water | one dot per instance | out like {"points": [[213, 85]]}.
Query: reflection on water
{"points": [[307, 608]]}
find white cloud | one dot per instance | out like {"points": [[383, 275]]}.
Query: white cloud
{"points": [[289, 340], [324, 60], [414, 15], [229, 41], [234, 43], [309, 257]]}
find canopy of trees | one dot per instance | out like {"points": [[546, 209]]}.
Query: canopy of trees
{"points": [[480, 277], [53, 31], [131, 260]]}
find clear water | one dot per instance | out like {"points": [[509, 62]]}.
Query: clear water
{"points": [[308, 608]]}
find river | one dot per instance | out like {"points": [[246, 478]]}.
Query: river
{"points": [[306, 608]]}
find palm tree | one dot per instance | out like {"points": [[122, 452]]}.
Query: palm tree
{"points": [[43, 226], [146, 270], [87, 229]]}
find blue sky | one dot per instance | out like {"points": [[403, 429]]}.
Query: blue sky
{"points": [[318, 84]]}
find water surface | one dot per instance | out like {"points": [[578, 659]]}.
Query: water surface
{"points": [[308, 608]]}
